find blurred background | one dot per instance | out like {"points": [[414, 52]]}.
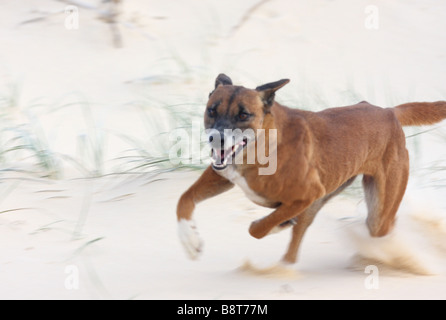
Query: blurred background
{"points": [[91, 90]]}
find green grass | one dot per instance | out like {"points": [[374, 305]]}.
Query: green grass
{"points": [[23, 139]]}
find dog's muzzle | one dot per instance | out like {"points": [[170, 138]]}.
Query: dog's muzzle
{"points": [[227, 144], [221, 157]]}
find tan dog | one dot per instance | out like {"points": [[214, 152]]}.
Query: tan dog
{"points": [[318, 155]]}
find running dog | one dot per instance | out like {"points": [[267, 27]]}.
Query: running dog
{"points": [[318, 155]]}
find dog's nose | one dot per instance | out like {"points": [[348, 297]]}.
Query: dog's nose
{"points": [[215, 138]]}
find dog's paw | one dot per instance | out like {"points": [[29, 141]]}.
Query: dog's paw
{"points": [[256, 229], [189, 238]]}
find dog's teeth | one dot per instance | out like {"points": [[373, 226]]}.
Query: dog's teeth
{"points": [[220, 157]]}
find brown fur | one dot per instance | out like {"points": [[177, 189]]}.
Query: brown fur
{"points": [[318, 155], [420, 113]]}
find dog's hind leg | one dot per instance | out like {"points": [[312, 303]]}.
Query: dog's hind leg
{"points": [[304, 220], [302, 223], [383, 193]]}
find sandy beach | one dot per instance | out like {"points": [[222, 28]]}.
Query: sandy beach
{"points": [[88, 196]]}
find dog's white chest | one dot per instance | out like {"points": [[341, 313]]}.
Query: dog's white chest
{"points": [[232, 175]]}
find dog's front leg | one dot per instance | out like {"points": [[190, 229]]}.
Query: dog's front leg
{"points": [[285, 212], [208, 185]]}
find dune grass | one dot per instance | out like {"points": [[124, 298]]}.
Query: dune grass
{"points": [[24, 139]]}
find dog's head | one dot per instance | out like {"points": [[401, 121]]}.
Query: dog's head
{"points": [[234, 115]]}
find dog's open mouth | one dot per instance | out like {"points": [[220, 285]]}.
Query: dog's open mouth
{"points": [[222, 157]]}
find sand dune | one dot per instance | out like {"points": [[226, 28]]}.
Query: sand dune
{"points": [[115, 236]]}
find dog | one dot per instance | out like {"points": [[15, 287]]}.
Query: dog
{"points": [[318, 155]]}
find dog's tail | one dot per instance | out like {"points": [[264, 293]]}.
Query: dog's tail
{"points": [[420, 113]]}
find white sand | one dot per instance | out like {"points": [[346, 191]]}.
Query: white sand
{"points": [[115, 237]]}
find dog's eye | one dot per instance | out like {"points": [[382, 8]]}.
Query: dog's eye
{"points": [[212, 113], [243, 116]]}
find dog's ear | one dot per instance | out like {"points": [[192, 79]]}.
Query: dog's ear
{"points": [[267, 91], [222, 79]]}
